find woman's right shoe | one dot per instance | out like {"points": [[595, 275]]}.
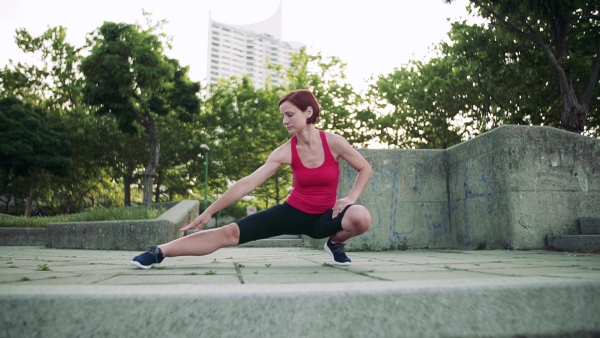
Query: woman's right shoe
{"points": [[337, 252]]}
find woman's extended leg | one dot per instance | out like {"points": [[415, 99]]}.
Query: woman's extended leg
{"points": [[197, 244], [202, 242]]}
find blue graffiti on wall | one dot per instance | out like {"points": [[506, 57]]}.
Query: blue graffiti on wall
{"points": [[469, 195]]}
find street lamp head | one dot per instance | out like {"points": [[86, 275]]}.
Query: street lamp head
{"points": [[204, 148]]}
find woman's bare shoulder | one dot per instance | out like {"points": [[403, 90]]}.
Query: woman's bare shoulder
{"points": [[338, 144], [283, 153]]}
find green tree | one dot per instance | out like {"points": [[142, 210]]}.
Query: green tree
{"points": [[243, 126], [419, 106], [54, 85], [503, 80], [128, 75], [31, 144], [180, 142], [568, 35]]}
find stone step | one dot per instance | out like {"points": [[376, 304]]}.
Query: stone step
{"points": [[527, 307], [574, 243], [590, 225]]}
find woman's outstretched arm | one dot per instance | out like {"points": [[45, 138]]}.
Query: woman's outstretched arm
{"points": [[243, 187]]}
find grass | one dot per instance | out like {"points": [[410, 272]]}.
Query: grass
{"points": [[96, 214]]}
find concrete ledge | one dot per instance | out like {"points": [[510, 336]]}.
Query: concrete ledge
{"points": [[106, 235], [441, 308], [23, 237], [590, 225], [178, 216], [574, 242]]}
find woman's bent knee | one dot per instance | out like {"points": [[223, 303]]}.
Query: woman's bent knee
{"points": [[357, 219], [232, 234]]}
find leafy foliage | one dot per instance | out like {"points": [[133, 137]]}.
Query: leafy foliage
{"points": [[567, 34], [128, 76], [425, 104], [31, 144]]}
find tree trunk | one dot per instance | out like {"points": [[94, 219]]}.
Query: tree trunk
{"points": [[573, 117], [157, 191], [68, 204], [150, 171], [8, 199], [127, 180], [5, 181], [32, 188]]}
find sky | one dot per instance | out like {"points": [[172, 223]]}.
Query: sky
{"points": [[373, 37]]}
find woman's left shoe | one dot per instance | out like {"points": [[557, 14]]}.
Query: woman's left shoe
{"points": [[148, 259]]}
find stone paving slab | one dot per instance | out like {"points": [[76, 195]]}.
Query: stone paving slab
{"points": [[22, 265]]}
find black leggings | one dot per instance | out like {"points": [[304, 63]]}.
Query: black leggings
{"points": [[283, 219]]}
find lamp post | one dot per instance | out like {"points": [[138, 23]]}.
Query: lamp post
{"points": [[205, 149]]}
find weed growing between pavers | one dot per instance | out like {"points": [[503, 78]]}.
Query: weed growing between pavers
{"points": [[43, 267], [210, 272], [450, 268], [238, 271]]}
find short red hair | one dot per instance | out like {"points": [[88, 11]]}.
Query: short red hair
{"points": [[302, 99]]}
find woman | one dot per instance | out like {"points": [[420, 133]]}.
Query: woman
{"points": [[312, 208]]}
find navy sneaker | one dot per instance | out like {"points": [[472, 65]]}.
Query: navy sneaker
{"points": [[148, 259], [337, 252]]}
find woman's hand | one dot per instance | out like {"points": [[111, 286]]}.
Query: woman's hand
{"points": [[341, 204], [199, 222]]}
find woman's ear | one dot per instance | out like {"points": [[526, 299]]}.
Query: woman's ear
{"points": [[309, 111]]}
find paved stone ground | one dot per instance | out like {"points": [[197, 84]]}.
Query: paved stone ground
{"points": [[43, 266], [296, 292]]}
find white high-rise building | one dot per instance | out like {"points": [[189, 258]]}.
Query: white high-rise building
{"points": [[245, 50]]}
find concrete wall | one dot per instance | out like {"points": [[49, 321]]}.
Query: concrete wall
{"points": [[507, 188], [554, 179], [513, 186], [407, 197]]}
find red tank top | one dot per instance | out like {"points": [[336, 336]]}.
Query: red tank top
{"points": [[314, 189]]}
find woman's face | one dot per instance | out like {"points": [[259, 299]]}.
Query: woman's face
{"points": [[294, 119]]}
